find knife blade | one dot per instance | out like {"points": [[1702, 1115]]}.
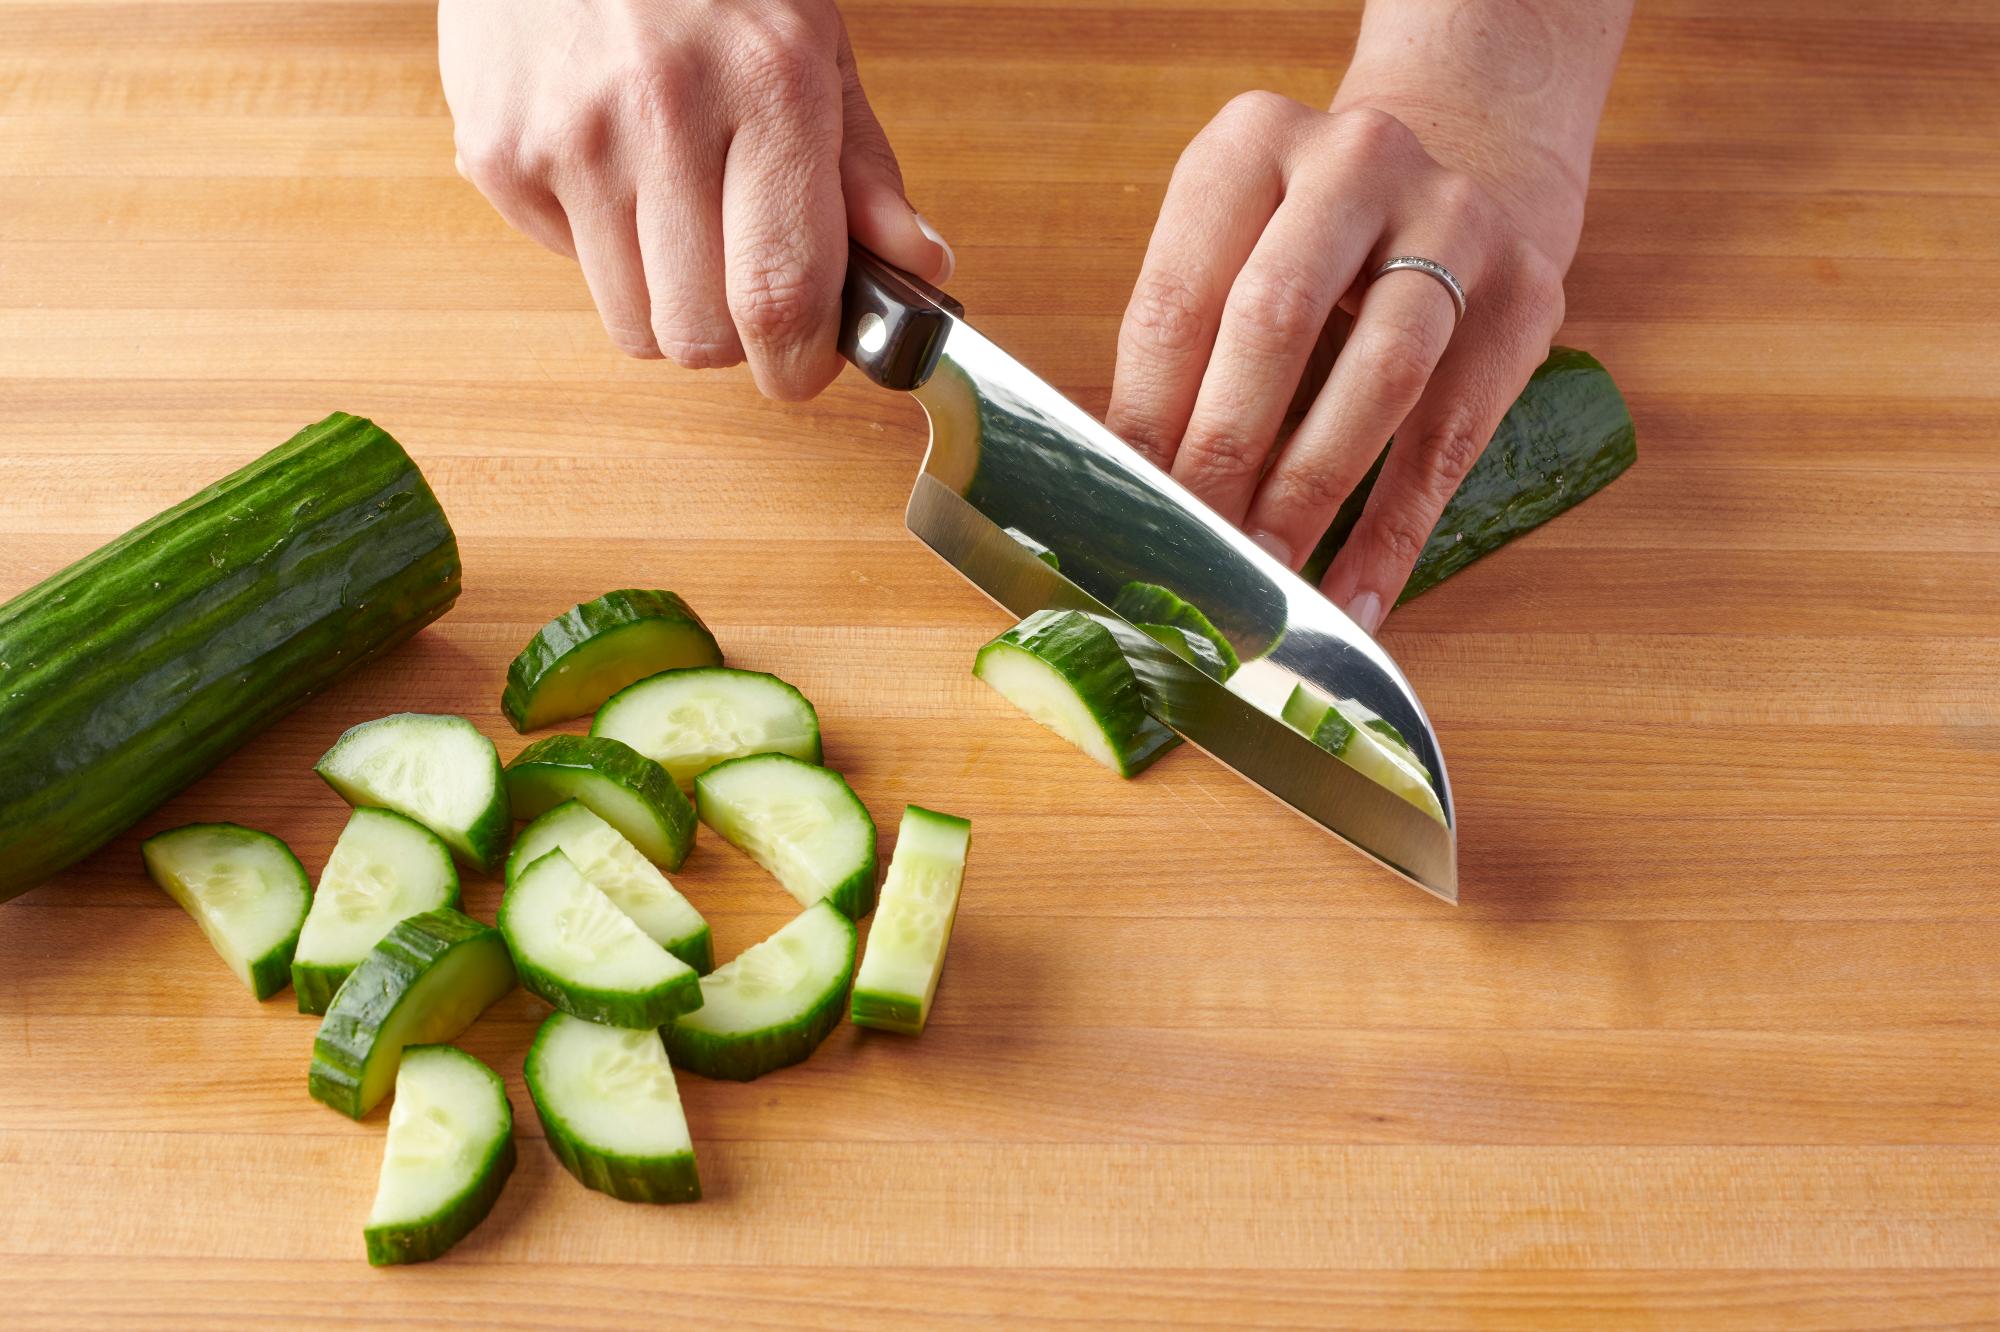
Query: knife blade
{"points": [[1010, 457]]}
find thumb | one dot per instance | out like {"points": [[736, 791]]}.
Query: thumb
{"points": [[878, 216]]}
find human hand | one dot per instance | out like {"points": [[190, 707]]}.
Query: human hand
{"points": [[705, 163]]}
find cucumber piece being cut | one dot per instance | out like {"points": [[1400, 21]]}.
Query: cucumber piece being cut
{"points": [[1065, 670], [447, 1155], [802, 823], [1035, 548], [906, 945], [1189, 646], [244, 888], [611, 1111], [617, 783], [1149, 604], [577, 950], [384, 868], [425, 982], [689, 721], [1359, 747], [591, 651], [439, 771], [615, 866], [773, 1004]]}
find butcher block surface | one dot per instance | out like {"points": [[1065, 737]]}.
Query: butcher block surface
{"points": [[1713, 1038]]}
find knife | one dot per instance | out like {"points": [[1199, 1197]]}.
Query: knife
{"points": [[1011, 458]]}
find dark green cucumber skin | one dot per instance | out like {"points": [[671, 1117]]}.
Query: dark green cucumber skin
{"points": [[314, 986], [697, 950], [421, 1241], [880, 1011], [854, 896], [372, 993], [742, 1058], [1566, 437], [598, 753], [644, 1179], [1087, 654], [581, 623], [613, 1008], [141, 666], [1149, 603]]}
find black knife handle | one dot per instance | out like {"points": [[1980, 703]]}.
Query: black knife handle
{"points": [[891, 324]]}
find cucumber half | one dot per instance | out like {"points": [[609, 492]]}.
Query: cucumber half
{"points": [[384, 868], [620, 785], [611, 1111], [447, 1155], [802, 823], [1151, 604], [1359, 747], [439, 771], [615, 866], [1065, 670], [906, 945], [244, 888], [426, 981], [689, 721], [773, 1004], [577, 950], [593, 650]]}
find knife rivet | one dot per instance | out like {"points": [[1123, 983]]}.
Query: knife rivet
{"points": [[871, 334]]}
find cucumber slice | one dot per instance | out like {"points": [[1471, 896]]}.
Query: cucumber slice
{"points": [[1065, 670], [620, 785], [1189, 646], [577, 950], [611, 1112], [899, 973], [1149, 603], [425, 982], [774, 1004], [615, 866], [244, 888], [384, 868], [802, 823], [1035, 548], [1360, 748], [593, 650], [439, 771], [689, 721], [448, 1153]]}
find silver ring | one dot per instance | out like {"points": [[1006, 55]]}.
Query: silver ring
{"points": [[1432, 268]]}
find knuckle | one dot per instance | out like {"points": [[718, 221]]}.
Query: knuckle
{"points": [[1368, 132], [1278, 307], [1213, 460], [1458, 204], [1254, 115], [699, 353], [1309, 492], [662, 90], [1401, 535], [631, 336], [495, 166], [1165, 313], [1398, 365], [774, 300], [1449, 448], [779, 65]]}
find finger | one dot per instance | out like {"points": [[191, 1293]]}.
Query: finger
{"points": [[879, 215], [1399, 333], [1275, 313], [1218, 202], [785, 228], [680, 242], [525, 205], [607, 246]]}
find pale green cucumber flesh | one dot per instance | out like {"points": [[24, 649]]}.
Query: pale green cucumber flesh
{"points": [[773, 1004], [899, 972], [690, 720], [633, 883], [244, 888], [611, 1111], [445, 1158], [802, 823], [576, 949], [623, 787], [385, 868], [1360, 748], [1067, 672], [437, 770], [591, 651], [1035, 548], [425, 982]]}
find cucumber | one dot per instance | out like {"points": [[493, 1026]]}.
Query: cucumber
{"points": [[802, 823], [1149, 605], [773, 1004], [899, 972], [689, 721], [593, 650], [1566, 437], [244, 888], [610, 1110], [140, 667], [1065, 670], [426, 981], [384, 868], [577, 950], [615, 866], [620, 785], [1189, 646], [439, 771], [447, 1155], [1359, 747], [1035, 548]]}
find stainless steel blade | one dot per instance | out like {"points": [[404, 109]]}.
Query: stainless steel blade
{"points": [[1009, 452]]}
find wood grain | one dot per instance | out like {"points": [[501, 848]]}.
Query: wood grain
{"points": [[1714, 1039]]}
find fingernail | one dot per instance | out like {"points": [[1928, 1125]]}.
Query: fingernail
{"points": [[1366, 611], [1280, 551], [931, 234]]}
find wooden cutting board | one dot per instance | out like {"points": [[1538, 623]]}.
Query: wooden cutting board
{"points": [[1714, 1038]]}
